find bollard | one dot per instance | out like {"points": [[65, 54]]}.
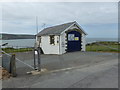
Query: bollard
{"points": [[34, 60], [39, 63], [13, 65]]}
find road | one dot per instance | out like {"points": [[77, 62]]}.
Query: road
{"points": [[104, 75], [101, 73]]}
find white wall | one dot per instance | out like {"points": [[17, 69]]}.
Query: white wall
{"points": [[63, 43], [47, 47], [83, 42]]}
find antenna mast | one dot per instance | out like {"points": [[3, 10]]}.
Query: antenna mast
{"points": [[36, 24]]}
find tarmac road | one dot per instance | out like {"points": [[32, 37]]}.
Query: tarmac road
{"points": [[91, 70], [54, 62], [102, 75]]}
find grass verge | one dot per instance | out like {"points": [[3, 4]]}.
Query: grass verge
{"points": [[103, 47], [12, 50]]}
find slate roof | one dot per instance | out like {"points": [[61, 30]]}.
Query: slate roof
{"points": [[55, 30]]}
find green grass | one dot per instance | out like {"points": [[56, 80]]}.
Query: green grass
{"points": [[11, 50], [96, 47], [89, 47]]}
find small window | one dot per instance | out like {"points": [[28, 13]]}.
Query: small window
{"points": [[52, 41]]}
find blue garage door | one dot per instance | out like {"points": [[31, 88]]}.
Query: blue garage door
{"points": [[74, 41]]}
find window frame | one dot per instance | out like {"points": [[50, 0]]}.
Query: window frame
{"points": [[52, 39]]}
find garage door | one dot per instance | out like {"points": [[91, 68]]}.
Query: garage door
{"points": [[73, 41]]}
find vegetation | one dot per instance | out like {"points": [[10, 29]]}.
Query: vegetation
{"points": [[96, 47], [104, 47], [16, 36], [11, 50]]}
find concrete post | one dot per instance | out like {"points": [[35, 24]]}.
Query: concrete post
{"points": [[39, 61], [13, 65]]}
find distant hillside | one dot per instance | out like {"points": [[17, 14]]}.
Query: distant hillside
{"points": [[16, 36]]}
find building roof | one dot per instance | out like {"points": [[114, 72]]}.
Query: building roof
{"points": [[55, 30]]}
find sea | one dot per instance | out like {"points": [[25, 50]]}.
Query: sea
{"points": [[30, 42]]}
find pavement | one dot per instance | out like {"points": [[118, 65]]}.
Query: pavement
{"points": [[71, 70]]}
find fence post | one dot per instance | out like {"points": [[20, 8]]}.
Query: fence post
{"points": [[13, 66], [39, 61]]}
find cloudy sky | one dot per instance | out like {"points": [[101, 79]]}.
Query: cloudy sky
{"points": [[98, 19]]}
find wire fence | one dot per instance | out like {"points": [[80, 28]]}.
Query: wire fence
{"points": [[18, 60], [24, 57]]}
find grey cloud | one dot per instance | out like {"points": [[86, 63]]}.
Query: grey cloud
{"points": [[55, 13]]}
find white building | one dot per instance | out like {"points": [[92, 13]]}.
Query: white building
{"points": [[68, 37]]}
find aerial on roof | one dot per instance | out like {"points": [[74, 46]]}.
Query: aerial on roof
{"points": [[55, 30]]}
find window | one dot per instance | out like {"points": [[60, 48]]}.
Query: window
{"points": [[52, 41], [71, 37]]}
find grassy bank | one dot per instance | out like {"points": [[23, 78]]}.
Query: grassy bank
{"points": [[11, 50], [95, 47], [103, 47]]}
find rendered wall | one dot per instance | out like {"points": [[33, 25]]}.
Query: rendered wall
{"points": [[47, 47], [63, 43], [83, 42]]}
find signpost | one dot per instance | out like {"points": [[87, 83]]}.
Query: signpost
{"points": [[37, 51], [37, 60]]}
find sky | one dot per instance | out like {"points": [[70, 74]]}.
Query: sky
{"points": [[98, 19]]}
